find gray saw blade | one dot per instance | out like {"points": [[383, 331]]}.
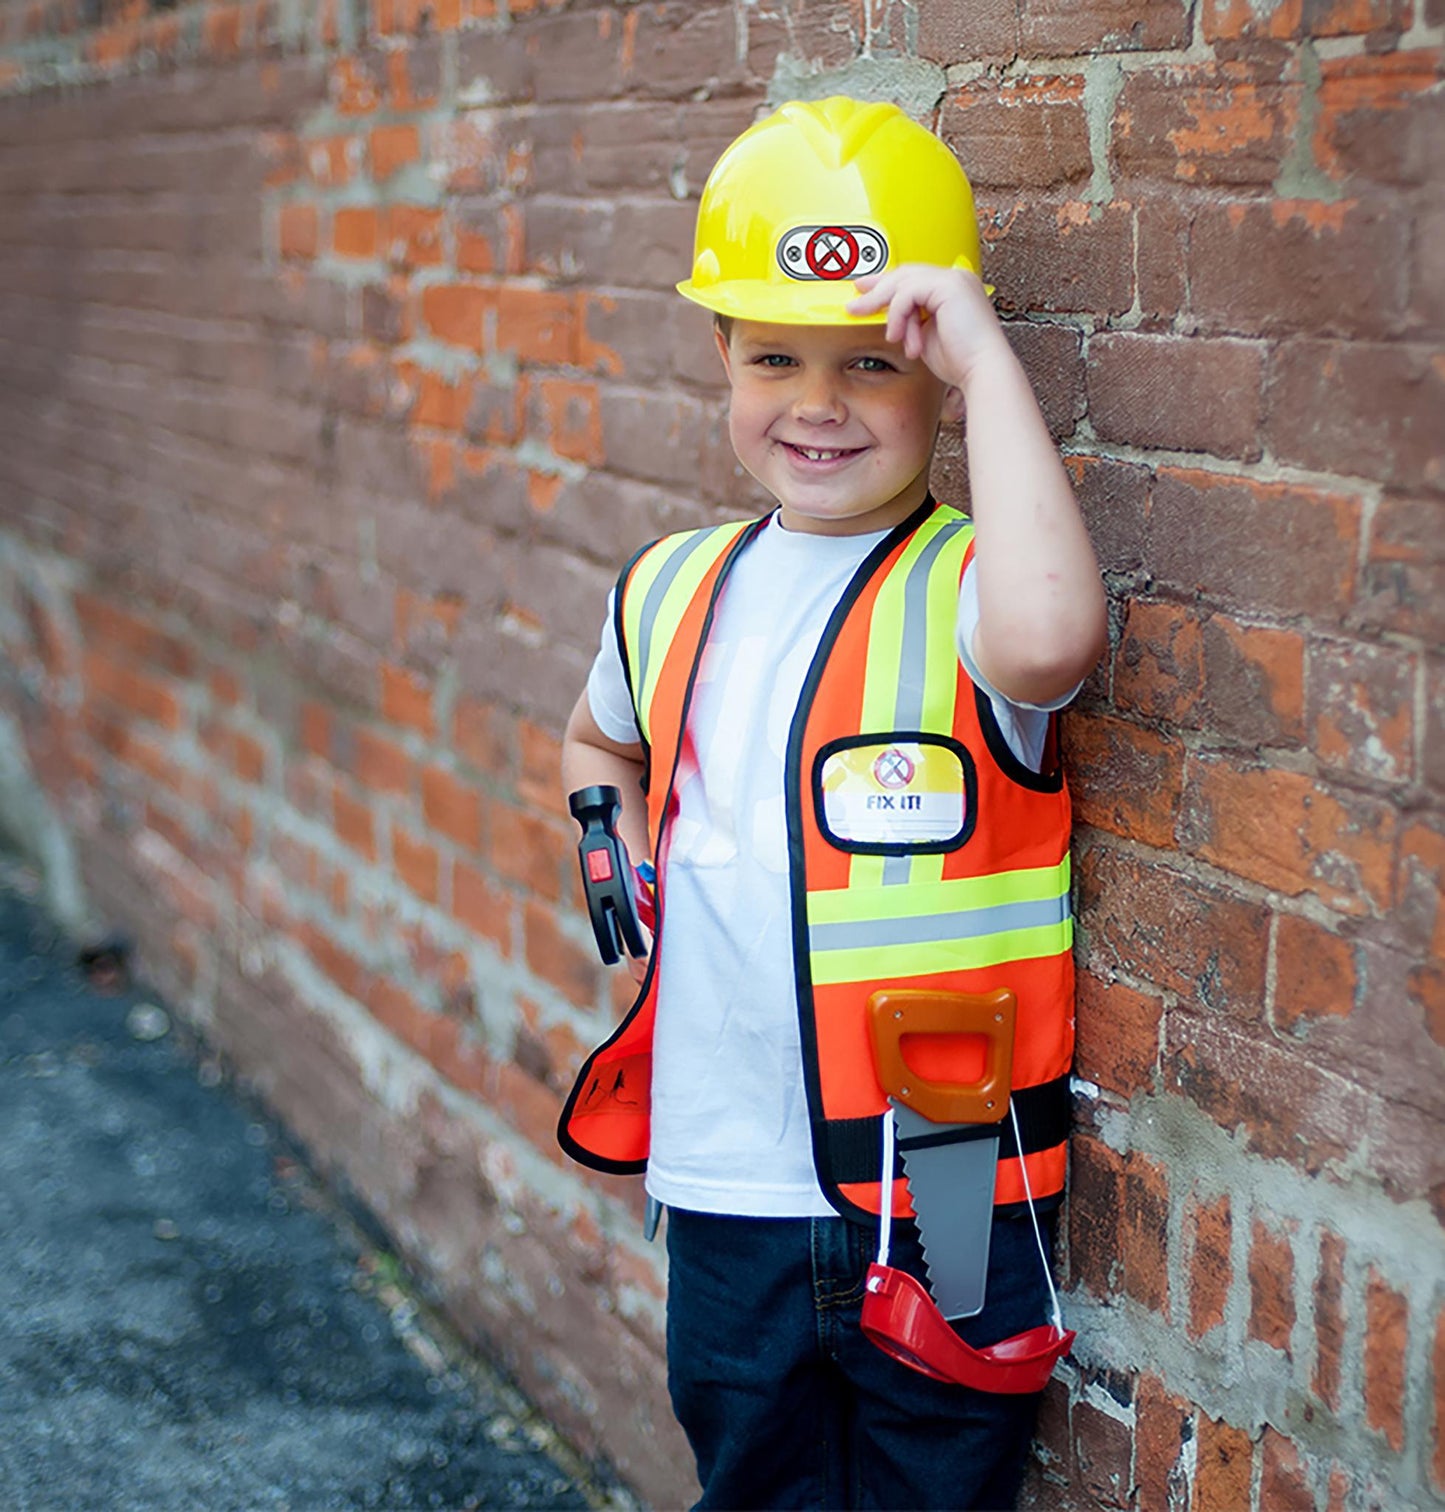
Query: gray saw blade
{"points": [[952, 1187]]}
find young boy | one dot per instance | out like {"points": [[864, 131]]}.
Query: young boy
{"points": [[763, 694]]}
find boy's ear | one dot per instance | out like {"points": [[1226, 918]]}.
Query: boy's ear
{"points": [[723, 351], [952, 405]]}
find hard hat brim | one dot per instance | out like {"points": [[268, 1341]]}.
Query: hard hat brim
{"points": [[781, 304]]}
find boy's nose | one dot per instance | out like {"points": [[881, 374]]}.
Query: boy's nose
{"points": [[818, 400]]}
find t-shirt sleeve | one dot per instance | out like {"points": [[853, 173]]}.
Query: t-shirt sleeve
{"points": [[1024, 726], [607, 693]]}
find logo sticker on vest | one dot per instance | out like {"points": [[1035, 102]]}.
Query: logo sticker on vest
{"points": [[831, 252], [902, 793]]}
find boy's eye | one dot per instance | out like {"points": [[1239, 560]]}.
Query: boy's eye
{"points": [[876, 365], [773, 360]]}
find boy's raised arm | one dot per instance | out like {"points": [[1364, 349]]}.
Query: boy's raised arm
{"points": [[1042, 622]]}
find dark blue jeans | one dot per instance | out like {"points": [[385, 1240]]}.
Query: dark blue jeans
{"points": [[785, 1401]]}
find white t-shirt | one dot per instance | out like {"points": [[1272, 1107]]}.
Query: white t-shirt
{"points": [[730, 1129]]}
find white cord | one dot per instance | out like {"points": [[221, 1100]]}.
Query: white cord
{"points": [[1034, 1218], [885, 1196]]}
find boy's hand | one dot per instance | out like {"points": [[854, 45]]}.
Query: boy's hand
{"points": [[941, 315]]}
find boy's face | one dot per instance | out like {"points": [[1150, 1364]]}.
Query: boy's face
{"points": [[834, 421]]}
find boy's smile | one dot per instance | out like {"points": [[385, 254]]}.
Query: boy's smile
{"points": [[834, 421]]}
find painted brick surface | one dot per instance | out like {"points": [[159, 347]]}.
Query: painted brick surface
{"points": [[341, 370]]}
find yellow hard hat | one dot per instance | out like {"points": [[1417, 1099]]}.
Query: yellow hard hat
{"points": [[819, 194]]}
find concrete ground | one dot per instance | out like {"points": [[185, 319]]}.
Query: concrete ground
{"points": [[185, 1320]]}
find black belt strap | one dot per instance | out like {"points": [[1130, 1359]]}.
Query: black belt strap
{"points": [[852, 1147]]}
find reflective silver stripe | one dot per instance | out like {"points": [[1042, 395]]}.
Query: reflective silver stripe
{"points": [[913, 647], [913, 651], [652, 604], [932, 929]]}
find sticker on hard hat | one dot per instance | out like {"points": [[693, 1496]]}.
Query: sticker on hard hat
{"points": [[832, 252]]}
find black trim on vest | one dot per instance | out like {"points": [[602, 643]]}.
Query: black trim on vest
{"points": [[564, 1137], [1002, 752], [853, 1147], [793, 778]]}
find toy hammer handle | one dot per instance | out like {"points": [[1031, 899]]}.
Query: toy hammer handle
{"points": [[607, 876]]}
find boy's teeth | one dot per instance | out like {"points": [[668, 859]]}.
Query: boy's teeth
{"points": [[818, 456]]}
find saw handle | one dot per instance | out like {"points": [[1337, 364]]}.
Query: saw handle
{"points": [[895, 1012]]}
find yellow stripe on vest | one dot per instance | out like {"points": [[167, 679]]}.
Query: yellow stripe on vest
{"points": [[659, 590]]}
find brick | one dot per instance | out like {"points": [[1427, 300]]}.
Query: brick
{"points": [[1113, 497], [139, 638], [574, 423], [1329, 1317], [1434, 760], [1291, 834], [1363, 409], [1144, 1233], [1102, 26], [481, 906], [1118, 1036], [1161, 1428], [1225, 1468], [412, 237], [1177, 393], [406, 700], [1283, 1481], [391, 148], [1052, 357], [417, 864], [538, 325], [1285, 1108], [1254, 682], [1211, 1271], [576, 57], [457, 313], [1104, 1447], [530, 851], [539, 779], [132, 691], [1420, 889], [1024, 132], [298, 232], [1159, 664], [1378, 117], [1217, 124], [673, 49], [1164, 232], [452, 807], [355, 232], [1053, 1446], [1300, 255], [1315, 973], [1387, 1344], [949, 34], [1096, 1187], [381, 765], [1059, 256], [1128, 778], [557, 959], [1185, 937], [1271, 1286], [1264, 547], [1402, 587], [1361, 704], [1290, 20]]}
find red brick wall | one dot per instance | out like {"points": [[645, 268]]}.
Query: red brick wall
{"points": [[339, 369]]}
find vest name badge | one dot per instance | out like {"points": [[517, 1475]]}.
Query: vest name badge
{"points": [[895, 793]]}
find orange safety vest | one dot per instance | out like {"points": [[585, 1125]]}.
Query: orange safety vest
{"points": [[922, 854]]}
